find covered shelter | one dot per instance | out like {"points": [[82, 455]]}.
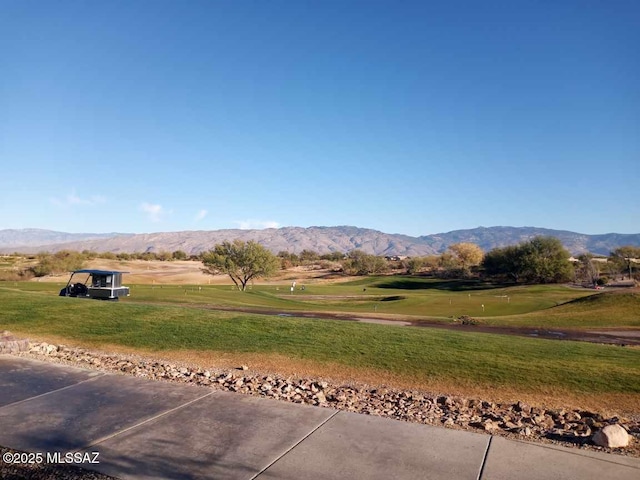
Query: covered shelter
{"points": [[98, 284]]}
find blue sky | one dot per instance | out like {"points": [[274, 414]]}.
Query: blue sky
{"points": [[407, 117]]}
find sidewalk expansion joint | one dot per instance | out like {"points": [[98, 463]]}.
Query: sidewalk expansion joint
{"points": [[484, 459], [160, 415], [295, 445], [100, 374], [580, 453]]}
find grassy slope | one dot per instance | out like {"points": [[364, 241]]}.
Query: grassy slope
{"points": [[606, 310], [425, 356], [416, 297]]}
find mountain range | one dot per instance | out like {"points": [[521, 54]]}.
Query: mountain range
{"points": [[296, 239]]}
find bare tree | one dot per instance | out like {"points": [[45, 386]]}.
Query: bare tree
{"points": [[624, 258], [588, 269]]}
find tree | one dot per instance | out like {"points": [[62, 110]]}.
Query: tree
{"points": [[242, 261], [361, 263], [545, 260], [147, 256], [540, 260], [333, 256], [179, 255], [466, 255], [164, 256], [448, 265], [587, 270], [623, 258], [288, 259], [60, 262], [308, 256], [506, 261], [414, 265], [431, 262]]}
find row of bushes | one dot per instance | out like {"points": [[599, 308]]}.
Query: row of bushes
{"points": [[45, 264], [162, 256], [540, 260]]}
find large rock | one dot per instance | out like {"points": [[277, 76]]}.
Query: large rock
{"points": [[10, 344], [611, 436]]}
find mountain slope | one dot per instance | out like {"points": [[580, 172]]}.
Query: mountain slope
{"points": [[291, 239], [319, 239], [35, 236]]}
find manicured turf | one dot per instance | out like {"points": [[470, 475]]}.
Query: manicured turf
{"points": [[417, 297], [531, 365], [608, 310]]}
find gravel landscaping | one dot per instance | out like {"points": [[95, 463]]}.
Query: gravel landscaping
{"points": [[569, 427]]}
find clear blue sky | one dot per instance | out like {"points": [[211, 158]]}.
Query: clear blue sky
{"points": [[412, 117]]}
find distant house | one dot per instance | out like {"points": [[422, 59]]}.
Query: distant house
{"points": [[594, 259], [396, 258]]}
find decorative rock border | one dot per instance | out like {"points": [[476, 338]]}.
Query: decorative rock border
{"points": [[9, 344], [568, 427]]}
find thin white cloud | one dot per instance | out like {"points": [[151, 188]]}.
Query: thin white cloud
{"points": [[252, 224], [201, 214], [154, 212], [73, 199]]}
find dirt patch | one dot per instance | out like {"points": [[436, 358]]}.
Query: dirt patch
{"points": [[396, 323], [615, 337], [617, 333]]}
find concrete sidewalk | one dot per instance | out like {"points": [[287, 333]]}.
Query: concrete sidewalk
{"points": [[147, 430]]}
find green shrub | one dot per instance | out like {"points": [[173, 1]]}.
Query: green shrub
{"points": [[60, 262]]}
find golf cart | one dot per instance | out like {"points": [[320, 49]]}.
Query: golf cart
{"points": [[99, 284]]}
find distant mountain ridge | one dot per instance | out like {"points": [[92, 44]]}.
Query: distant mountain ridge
{"points": [[36, 236], [296, 239]]}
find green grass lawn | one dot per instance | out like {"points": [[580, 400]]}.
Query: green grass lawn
{"points": [[490, 361], [418, 298], [605, 310]]}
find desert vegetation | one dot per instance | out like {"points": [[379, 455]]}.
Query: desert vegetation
{"points": [[539, 260]]}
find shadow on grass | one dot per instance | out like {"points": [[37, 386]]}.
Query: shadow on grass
{"points": [[439, 284], [393, 298]]}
